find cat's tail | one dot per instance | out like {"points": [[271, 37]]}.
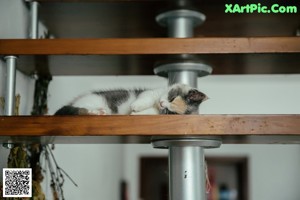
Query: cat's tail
{"points": [[70, 110]]}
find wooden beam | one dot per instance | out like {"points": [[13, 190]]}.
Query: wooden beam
{"points": [[123, 46], [122, 125]]}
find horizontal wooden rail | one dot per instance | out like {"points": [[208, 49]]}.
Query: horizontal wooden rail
{"points": [[244, 129], [124, 46], [151, 125]]}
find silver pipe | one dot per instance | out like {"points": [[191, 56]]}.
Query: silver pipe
{"points": [[186, 160], [184, 77], [181, 22], [10, 85], [180, 27], [187, 168], [34, 20]]}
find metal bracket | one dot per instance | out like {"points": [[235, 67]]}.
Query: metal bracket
{"points": [[201, 141], [185, 72]]}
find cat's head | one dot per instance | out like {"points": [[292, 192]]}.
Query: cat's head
{"points": [[181, 99]]}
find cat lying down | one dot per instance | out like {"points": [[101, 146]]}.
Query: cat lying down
{"points": [[176, 99]]}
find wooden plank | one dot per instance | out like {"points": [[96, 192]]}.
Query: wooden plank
{"points": [[118, 125], [118, 46]]}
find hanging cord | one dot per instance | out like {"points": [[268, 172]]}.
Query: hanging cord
{"points": [[56, 173], [208, 184], [59, 169], [34, 152], [53, 177]]}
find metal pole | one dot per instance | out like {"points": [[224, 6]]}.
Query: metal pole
{"points": [[181, 22], [186, 154], [34, 20], [180, 27], [185, 77], [187, 178], [10, 85]]}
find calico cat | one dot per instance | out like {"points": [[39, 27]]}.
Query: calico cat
{"points": [[176, 99]]}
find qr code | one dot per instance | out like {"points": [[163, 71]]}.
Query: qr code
{"points": [[17, 182]]}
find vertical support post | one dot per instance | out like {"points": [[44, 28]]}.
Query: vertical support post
{"points": [[34, 20], [184, 77], [181, 22], [187, 178], [10, 84], [180, 27], [186, 155]]}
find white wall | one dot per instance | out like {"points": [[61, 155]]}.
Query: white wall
{"points": [[14, 19], [251, 94], [97, 169]]}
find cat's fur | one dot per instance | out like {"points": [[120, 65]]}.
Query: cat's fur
{"points": [[176, 99]]}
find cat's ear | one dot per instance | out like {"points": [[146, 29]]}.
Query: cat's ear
{"points": [[196, 96]]}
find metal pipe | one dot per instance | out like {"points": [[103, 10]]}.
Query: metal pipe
{"points": [[185, 77], [34, 20], [180, 27], [181, 22], [10, 85], [187, 180], [186, 155], [187, 168]]}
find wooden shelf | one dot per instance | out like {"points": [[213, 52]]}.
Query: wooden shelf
{"points": [[127, 129], [117, 46], [123, 129], [115, 56]]}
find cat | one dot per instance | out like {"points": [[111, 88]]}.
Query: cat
{"points": [[175, 99]]}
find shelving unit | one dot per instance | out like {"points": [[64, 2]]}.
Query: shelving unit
{"points": [[218, 125], [134, 43]]}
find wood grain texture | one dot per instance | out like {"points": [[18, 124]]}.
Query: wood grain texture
{"points": [[129, 46], [118, 125], [232, 129]]}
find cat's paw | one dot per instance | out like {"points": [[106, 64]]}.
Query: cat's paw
{"points": [[135, 113], [137, 106], [149, 111], [99, 111], [163, 104]]}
